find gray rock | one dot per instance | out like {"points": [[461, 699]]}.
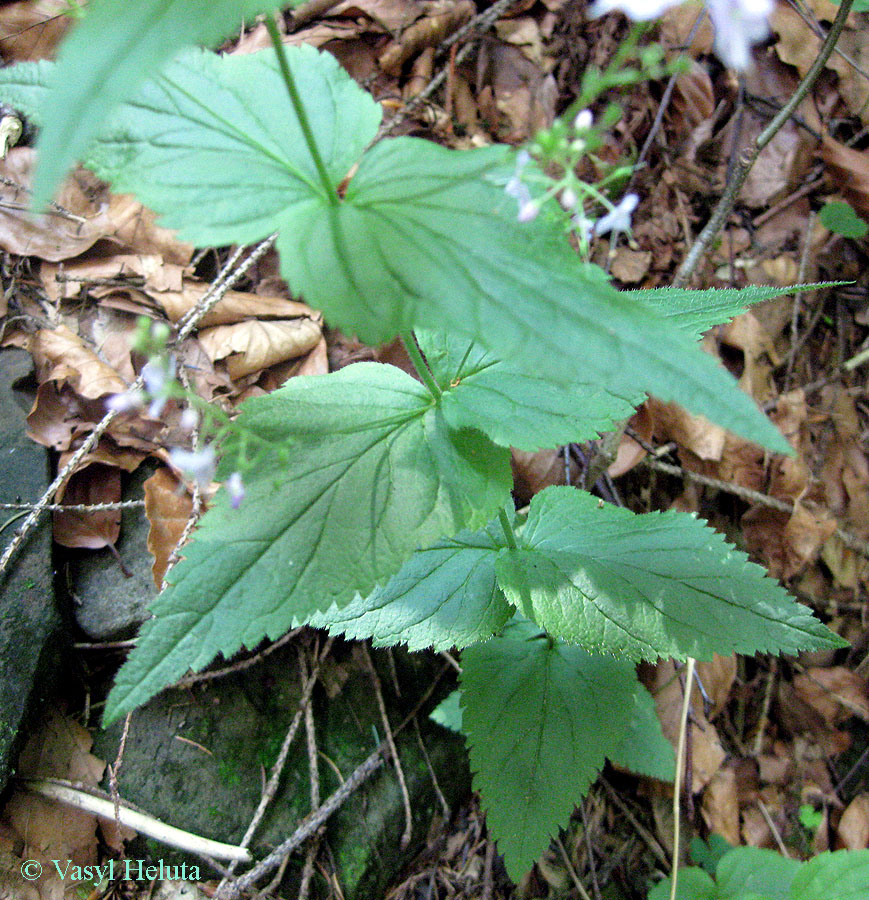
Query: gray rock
{"points": [[30, 625], [108, 603], [196, 759]]}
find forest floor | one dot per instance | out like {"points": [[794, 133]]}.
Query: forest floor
{"points": [[779, 748]]}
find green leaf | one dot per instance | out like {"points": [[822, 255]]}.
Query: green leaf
{"points": [[843, 875], [359, 469], [443, 596], [697, 311], [540, 719], [105, 58], [644, 749], [840, 218], [707, 854], [448, 712], [644, 586], [693, 884], [425, 236], [514, 407], [747, 871]]}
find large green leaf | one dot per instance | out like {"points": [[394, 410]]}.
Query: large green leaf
{"points": [[643, 748], [753, 872], [423, 236], [513, 406], [644, 586], [843, 875], [540, 717], [443, 596], [354, 471], [105, 58]]}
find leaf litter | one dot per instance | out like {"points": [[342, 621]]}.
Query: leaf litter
{"points": [[768, 737]]}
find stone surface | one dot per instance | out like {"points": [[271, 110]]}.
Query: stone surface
{"points": [[108, 603], [31, 631], [195, 758]]}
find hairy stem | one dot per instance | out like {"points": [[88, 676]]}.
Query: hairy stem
{"points": [[507, 528], [747, 160], [422, 369], [299, 107]]}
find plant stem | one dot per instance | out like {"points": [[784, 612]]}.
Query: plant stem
{"points": [[299, 107], [680, 773], [748, 159], [422, 369], [508, 528]]}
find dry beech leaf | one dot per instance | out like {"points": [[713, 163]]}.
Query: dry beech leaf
{"points": [[707, 754], [695, 433], [630, 453], [720, 807], [717, 677], [33, 29], [836, 693], [54, 419], [96, 483], [853, 830], [63, 282], [533, 471], [787, 543], [393, 15], [255, 345], [135, 227], [631, 266], [61, 355], [427, 32], [849, 172], [235, 306], [168, 507], [677, 23]]}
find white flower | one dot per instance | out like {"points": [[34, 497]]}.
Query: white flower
{"points": [[638, 10], [583, 225], [158, 375], [125, 402], [199, 465], [738, 25], [618, 219], [568, 199], [189, 419], [583, 120], [235, 488], [528, 211]]}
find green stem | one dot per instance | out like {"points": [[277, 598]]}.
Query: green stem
{"points": [[299, 107], [425, 375], [508, 528]]}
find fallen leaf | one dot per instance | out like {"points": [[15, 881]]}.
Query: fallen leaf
{"points": [[168, 507], [62, 356], [853, 829], [251, 346], [836, 693], [720, 807], [631, 266], [695, 433], [32, 30], [96, 483], [849, 172], [630, 453], [533, 471], [234, 306]]}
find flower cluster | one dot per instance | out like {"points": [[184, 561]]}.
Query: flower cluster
{"points": [[739, 24]]}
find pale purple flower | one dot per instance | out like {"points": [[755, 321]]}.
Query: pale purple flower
{"points": [[739, 24], [189, 419], [528, 211], [583, 120], [158, 375], [618, 219], [198, 465], [568, 199], [583, 225], [235, 488], [128, 401]]}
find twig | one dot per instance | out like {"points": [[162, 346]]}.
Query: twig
{"points": [[772, 827], [757, 747], [795, 311], [314, 780], [69, 794], [680, 768], [647, 836], [590, 850], [749, 157], [390, 740], [574, 877], [113, 778], [78, 507]]}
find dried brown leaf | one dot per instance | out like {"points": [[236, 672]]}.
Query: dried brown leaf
{"points": [[695, 433], [427, 32], [235, 306], [849, 172], [853, 830], [255, 345], [168, 507], [96, 483], [720, 807], [631, 266], [62, 356], [533, 471], [33, 29], [836, 693]]}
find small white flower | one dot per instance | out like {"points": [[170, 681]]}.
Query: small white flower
{"points": [[235, 488], [528, 211], [517, 189], [189, 419], [568, 199], [125, 402], [198, 465], [619, 219], [583, 225], [583, 121], [739, 24], [638, 10], [159, 376]]}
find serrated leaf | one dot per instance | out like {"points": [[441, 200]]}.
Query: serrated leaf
{"points": [[539, 717], [364, 470], [843, 875], [107, 55], [647, 586], [643, 748], [443, 596], [517, 408], [697, 311], [424, 236]]}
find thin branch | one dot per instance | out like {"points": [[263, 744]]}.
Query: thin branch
{"points": [[749, 157]]}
